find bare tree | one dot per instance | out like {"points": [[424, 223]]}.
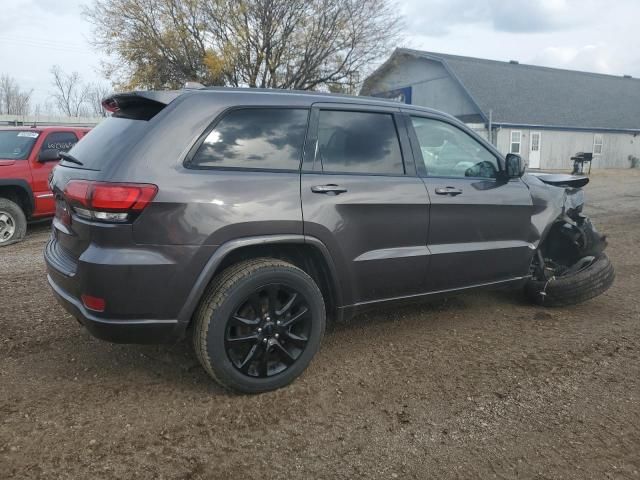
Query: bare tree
{"points": [[302, 44], [13, 100], [96, 93], [70, 94]]}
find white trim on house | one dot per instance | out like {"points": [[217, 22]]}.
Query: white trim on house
{"points": [[535, 140], [598, 142], [514, 142]]}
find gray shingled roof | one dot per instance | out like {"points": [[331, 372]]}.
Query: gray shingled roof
{"points": [[531, 95]]}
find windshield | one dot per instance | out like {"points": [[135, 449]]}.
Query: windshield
{"points": [[16, 144]]}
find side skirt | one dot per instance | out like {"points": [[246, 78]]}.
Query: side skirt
{"points": [[349, 311]]}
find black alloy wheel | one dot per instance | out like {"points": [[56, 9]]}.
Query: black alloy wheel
{"points": [[268, 331], [259, 325]]}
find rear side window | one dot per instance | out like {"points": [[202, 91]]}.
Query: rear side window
{"points": [[61, 141], [262, 138], [359, 142]]}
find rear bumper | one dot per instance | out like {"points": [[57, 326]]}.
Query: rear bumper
{"points": [[146, 288], [117, 331]]}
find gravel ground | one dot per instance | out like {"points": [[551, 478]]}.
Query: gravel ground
{"points": [[482, 385]]}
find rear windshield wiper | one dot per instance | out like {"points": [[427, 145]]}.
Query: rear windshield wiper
{"points": [[69, 158]]}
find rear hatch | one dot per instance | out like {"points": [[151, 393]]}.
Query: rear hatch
{"points": [[85, 198]]}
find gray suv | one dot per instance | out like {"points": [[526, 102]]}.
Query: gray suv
{"points": [[244, 218]]}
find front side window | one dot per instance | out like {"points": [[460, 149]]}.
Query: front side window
{"points": [[359, 142], [16, 144], [516, 140], [447, 151], [61, 141], [597, 144], [263, 138]]}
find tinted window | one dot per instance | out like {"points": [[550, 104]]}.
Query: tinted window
{"points": [[359, 142], [16, 145], [448, 151], [109, 142], [61, 141], [270, 138]]}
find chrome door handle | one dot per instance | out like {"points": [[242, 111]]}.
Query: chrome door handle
{"points": [[330, 189], [453, 191]]}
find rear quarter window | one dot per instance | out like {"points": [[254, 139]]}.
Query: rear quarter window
{"points": [[254, 138]]}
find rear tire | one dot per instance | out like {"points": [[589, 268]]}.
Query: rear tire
{"points": [[258, 325], [573, 288], [13, 222]]}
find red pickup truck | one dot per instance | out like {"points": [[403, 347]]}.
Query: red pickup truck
{"points": [[27, 156]]}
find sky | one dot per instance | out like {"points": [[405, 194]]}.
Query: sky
{"points": [[590, 35]]}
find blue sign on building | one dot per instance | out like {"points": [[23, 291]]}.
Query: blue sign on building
{"points": [[402, 95]]}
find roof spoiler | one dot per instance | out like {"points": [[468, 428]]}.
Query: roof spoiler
{"points": [[142, 105]]}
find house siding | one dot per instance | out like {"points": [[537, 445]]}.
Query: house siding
{"points": [[558, 146], [431, 86]]}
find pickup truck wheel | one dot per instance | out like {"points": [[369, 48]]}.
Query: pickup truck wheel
{"points": [[13, 223], [259, 325], [587, 279]]}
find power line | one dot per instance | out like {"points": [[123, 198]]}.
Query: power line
{"points": [[41, 40], [45, 45]]}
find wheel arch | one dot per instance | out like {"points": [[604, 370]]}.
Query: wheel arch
{"points": [[18, 191], [307, 253]]}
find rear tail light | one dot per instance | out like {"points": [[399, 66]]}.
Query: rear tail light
{"points": [[110, 105], [108, 202]]}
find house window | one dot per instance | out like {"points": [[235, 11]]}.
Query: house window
{"points": [[597, 144], [516, 140]]}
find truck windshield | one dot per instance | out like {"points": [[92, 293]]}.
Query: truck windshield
{"points": [[16, 144]]}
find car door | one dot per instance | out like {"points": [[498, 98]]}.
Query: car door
{"points": [[62, 142], [362, 198], [479, 220]]}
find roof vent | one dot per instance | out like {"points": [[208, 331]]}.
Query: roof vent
{"points": [[627, 76], [514, 62]]}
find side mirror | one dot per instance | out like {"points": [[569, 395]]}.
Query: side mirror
{"points": [[514, 166], [49, 155]]}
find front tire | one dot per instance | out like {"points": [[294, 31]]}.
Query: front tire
{"points": [[573, 288], [258, 325], [13, 222]]}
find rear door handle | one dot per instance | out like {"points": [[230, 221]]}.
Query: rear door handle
{"points": [[453, 191], [329, 189]]}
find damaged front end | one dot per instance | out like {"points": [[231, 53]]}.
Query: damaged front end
{"points": [[567, 241], [571, 245]]}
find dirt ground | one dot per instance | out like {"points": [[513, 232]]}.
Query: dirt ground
{"points": [[479, 386]]}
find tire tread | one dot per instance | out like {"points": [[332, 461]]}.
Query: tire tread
{"points": [[573, 289], [214, 297]]}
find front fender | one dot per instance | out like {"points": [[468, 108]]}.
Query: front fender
{"points": [[551, 203], [22, 185]]}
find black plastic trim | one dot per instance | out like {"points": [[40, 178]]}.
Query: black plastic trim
{"points": [[18, 182]]}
